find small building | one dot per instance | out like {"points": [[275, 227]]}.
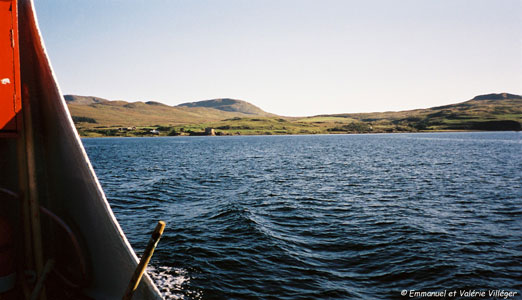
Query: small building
{"points": [[210, 131]]}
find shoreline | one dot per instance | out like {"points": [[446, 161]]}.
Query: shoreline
{"points": [[296, 134]]}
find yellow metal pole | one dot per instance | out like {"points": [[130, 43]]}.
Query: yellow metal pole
{"points": [[26, 213], [34, 203], [40, 283], [144, 261]]}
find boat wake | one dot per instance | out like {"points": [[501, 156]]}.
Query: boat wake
{"points": [[170, 281]]}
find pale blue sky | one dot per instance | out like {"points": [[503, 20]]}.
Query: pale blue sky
{"points": [[289, 57]]}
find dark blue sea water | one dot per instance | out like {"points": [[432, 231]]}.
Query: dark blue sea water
{"points": [[321, 217]]}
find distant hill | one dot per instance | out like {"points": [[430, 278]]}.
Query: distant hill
{"points": [[484, 112], [231, 105], [83, 100], [501, 96], [96, 112], [95, 116]]}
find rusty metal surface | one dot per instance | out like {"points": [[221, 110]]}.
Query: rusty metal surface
{"points": [[10, 101]]}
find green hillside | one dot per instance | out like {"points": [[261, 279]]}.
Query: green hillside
{"points": [[92, 114], [100, 117], [230, 105], [485, 112]]}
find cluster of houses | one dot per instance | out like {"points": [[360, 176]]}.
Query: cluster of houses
{"points": [[208, 131], [125, 129]]}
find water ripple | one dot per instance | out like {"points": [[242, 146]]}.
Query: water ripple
{"points": [[321, 217]]}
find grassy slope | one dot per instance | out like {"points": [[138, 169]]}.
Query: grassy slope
{"points": [[232, 105], [141, 114], [96, 116], [482, 113], [461, 116]]}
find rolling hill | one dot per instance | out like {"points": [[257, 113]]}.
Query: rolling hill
{"points": [[89, 111], [485, 112], [230, 105], [95, 116]]}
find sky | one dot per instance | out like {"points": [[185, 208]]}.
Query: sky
{"points": [[289, 57]]}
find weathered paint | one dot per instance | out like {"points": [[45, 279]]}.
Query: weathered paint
{"points": [[10, 96]]}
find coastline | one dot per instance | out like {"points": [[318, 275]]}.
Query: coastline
{"points": [[294, 134]]}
